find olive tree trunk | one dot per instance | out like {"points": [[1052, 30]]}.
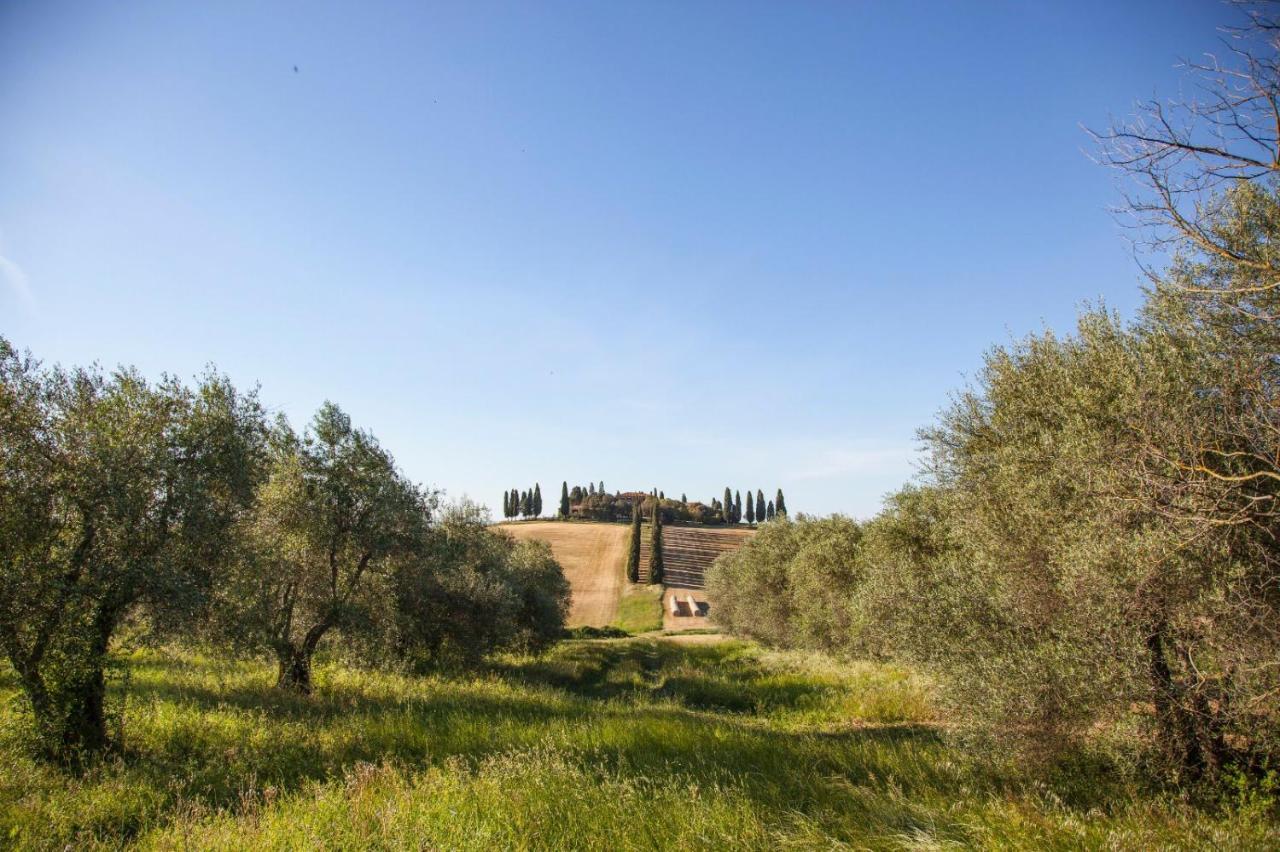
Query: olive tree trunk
{"points": [[295, 660]]}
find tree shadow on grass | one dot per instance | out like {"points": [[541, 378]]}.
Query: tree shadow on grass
{"points": [[713, 678], [313, 742], [592, 700], [215, 733]]}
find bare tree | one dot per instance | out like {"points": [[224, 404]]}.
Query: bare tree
{"points": [[1184, 154]]}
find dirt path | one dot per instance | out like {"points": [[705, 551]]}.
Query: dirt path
{"points": [[696, 638], [592, 556]]}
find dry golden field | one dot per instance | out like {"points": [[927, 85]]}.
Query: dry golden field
{"points": [[592, 556]]}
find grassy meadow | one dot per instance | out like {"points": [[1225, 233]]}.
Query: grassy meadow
{"points": [[622, 744]]}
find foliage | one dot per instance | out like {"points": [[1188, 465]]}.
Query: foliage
{"points": [[600, 506], [115, 496], [471, 590], [1106, 496], [328, 524], [1093, 565], [789, 584], [171, 510]]}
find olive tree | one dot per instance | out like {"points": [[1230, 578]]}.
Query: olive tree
{"points": [[329, 523], [1104, 491], [468, 590], [792, 584], [116, 496]]}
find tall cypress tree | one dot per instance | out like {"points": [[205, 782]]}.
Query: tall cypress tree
{"points": [[751, 509], [537, 500], [768, 515], [526, 504], [655, 547], [727, 506], [737, 507], [779, 504], [506, 504], [633, 549], [601, 488], [564, 499], [684, 500], [759, 505], [591, 488]]}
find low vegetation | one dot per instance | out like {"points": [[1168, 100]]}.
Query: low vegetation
{"points": [[631, 744]]}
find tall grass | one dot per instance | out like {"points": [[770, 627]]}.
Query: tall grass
{"points": [[634, 744]]}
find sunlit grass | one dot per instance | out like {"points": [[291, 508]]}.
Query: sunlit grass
{"points": [[632, 744], [640, 608]]}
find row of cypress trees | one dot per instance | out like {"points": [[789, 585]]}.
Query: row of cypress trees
{"points": [[758, 511], [655, 547], [526, 504], [633, 550], [656, 566]]}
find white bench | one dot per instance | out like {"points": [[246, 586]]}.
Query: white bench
{"points": [[693, 605]]}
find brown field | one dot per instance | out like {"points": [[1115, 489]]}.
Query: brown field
{"points": [[592, 556]]}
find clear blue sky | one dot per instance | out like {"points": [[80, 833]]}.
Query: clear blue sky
{"points": [[675, 245]]}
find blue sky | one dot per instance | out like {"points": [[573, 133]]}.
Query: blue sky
{"points": [[663, 244]]}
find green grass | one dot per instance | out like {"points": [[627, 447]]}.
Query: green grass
{"points": [[621, 744], [640, 608]]}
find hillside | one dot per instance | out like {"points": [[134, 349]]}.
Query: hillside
{"points": [[592, 557]]}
